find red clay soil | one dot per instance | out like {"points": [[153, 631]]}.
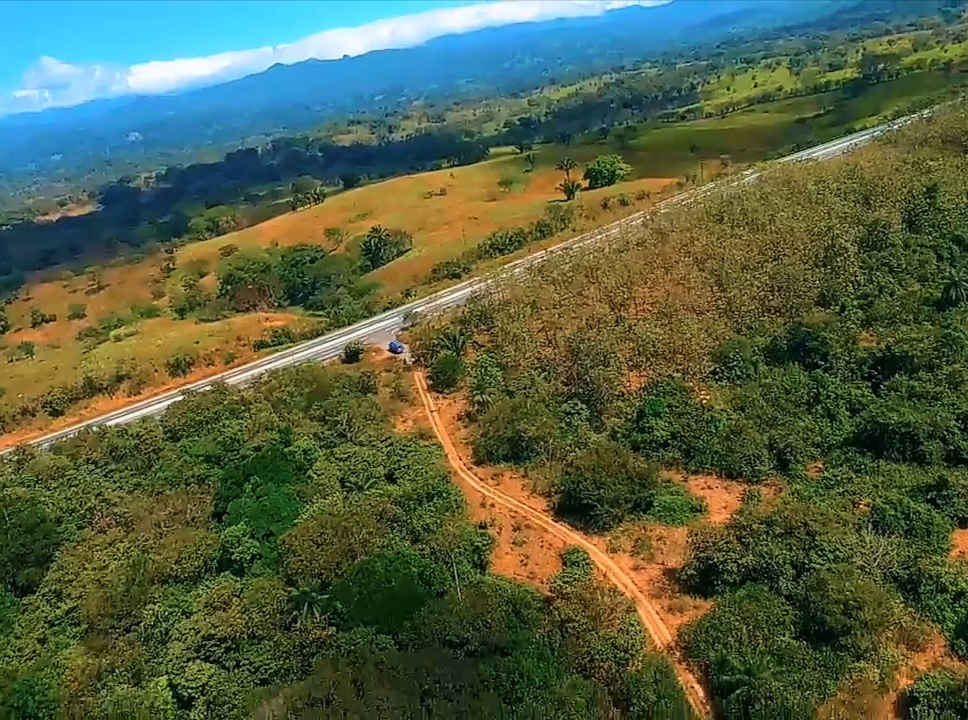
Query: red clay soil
{"points": [[531, 510], [959, 542], [723, 497]]}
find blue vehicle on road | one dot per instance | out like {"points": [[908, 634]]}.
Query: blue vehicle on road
{"points": [[396, 347]]}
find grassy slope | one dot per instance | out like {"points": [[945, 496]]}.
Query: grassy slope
{"points": [[442, 227]]}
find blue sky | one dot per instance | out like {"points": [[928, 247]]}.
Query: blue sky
{"points": [[63, 52]]}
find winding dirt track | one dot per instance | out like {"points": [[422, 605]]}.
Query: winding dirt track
{"points": [[657, 629]]}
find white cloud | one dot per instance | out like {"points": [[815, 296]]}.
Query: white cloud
{"points": [[53, 83]]}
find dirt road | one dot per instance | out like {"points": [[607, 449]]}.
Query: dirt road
{"points": [[653, 623]]}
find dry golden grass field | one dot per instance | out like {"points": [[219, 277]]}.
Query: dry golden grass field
{"points": [[479, 199]]}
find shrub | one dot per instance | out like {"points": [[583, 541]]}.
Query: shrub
{"points": [[938, 695], [24, 350], [335, 235], [353, 352], [180, 364], [446, 372], [38, 318], [91, 336], [122, 334], [948, 494], [274, 337], [213, 311], [577, 569], [77, 311], [674, 505], [453, 269], [606, 170], [604, 485], [516, 430], [145, 312], [915, 522]]}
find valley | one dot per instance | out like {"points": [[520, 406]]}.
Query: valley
{"points": [[679, 428]]}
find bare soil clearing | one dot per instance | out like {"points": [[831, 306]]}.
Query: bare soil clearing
{"points": [[660, 633], [959, 543], [723, 497]]}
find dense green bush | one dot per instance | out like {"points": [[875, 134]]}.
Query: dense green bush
{"points": [[937, 695], [517, 430], [605, 484], [180, 364], [280, 549], [353, 352], [577, 570], [674, 505], [446, 372]]}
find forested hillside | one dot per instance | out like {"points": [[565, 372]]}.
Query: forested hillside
{"points": [[283, 552], [810, 329]]}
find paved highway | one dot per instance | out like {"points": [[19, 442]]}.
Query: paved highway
{"points": [[331, 345]]}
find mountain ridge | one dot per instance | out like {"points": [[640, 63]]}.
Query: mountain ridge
{"points": [[295, 98]]}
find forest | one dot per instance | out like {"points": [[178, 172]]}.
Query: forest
{"points": [[281, 551], [809, 329]]}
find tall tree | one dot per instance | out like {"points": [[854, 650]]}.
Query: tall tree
{"points": [[566, 165]]}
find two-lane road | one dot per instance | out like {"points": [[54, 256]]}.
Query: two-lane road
{"points": [[331, 345]]}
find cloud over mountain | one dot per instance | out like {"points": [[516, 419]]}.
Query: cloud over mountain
{"points": [[55, 83]]}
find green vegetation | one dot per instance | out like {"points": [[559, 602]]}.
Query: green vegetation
{"points": [[785, 91], [808, 329], [281, 551], [382, 246], [938, 695], [353, 352], [606, 170], [675, 122]]}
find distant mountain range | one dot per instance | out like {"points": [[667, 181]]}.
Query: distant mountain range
{"points": [[295, 98]]}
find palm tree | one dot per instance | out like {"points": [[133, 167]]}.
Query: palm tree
{"points": [[739, 677], [566, 165], [483, 398], [308, 604], [955, 290], [569, 188], [374, 247], [453, 340], [362, 484]]}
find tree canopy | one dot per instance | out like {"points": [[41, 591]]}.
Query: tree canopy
{"points": [[806, 329], [280, 551]]}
